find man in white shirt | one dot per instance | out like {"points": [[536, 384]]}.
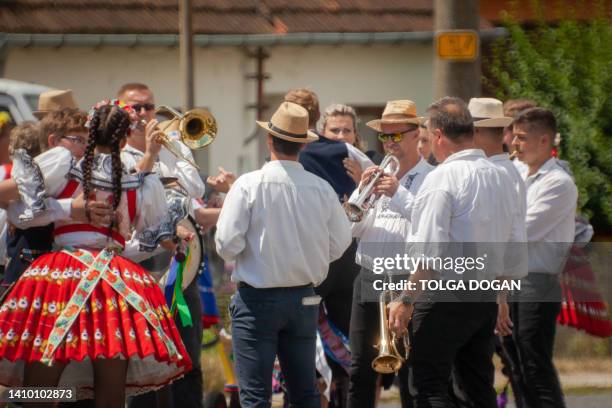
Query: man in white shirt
{"points": [[489, 135], [550, 220], [465, 201], [384, 225], [283, 226], [143, 153]]}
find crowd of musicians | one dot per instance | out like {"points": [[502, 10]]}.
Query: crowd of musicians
{"points": [[93, 202]]}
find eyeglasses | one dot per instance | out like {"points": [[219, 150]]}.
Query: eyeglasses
{"points": [[146, 106], [395, 137], [76, 139]]}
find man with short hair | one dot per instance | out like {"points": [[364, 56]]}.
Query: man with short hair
{"points": [[387, 223], [283, 226], [512, 107], [464, 201], [550, 220], [144, 153]]}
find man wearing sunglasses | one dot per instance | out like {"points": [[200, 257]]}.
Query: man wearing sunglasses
{"points": [[384, 225], [144, 153]]}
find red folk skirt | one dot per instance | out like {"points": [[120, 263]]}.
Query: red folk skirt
{"points": [[105, 323]]}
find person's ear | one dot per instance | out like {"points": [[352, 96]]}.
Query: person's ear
{"points": [[52, 140]]}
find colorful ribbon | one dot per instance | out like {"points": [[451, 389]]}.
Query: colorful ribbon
{"points": [[97, 268], [174, 290]]}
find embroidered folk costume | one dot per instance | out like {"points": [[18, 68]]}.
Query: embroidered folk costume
{"points": [[85, 301]]}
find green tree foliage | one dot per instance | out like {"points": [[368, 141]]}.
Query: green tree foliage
{"points": [[566, 67]]}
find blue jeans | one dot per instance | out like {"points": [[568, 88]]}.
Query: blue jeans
{"points": [[270, 322]]}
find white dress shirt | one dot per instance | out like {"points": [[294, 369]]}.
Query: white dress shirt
{"points": [[465, 199], [389, 220], [282, 225], [168, 165], [516, 256], [551, 214]]}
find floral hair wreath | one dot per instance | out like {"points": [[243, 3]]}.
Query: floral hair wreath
{"points": [[116, 102]]}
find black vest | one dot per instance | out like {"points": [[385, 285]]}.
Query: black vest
{"points": [[324, 158]]}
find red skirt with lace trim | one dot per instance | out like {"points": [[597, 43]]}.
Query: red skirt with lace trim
{"points": [[106, 327]]}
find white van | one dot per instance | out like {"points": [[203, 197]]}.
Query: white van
{"points": [[20, 99]]}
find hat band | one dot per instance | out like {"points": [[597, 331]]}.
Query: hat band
{"points": [[285, 133]]}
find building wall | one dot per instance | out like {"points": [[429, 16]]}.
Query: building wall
{"points": [[353, 74]]}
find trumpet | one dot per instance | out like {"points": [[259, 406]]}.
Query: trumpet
{"points": [[513, 154], [197, 128], [356, 208], [388, 359]]}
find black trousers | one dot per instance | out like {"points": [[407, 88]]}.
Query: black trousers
{"points": [[336, 293], [452, 339], [364, 335], [188, 390], [534, 335]]}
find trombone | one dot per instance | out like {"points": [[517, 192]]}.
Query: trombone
{"points": [[197, 128]]}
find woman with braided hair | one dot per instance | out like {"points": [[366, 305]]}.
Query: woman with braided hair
{"points": [[84, 316]]}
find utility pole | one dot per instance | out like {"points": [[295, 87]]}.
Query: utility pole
{"points": [[186, 54], [457, 70]]}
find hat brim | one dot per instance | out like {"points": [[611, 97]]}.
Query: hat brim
{"points": [[40, 114], [493, 122], [376, 124], [310, 136]]}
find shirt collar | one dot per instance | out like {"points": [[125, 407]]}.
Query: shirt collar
{"points": [[500, 157], [548, 165], [133, 150], [420, 166], [465, 154], [283, 163]]}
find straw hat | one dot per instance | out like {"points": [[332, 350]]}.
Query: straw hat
{"points": [[54, 100], [488, 112], [290, 122], [397, 112]]}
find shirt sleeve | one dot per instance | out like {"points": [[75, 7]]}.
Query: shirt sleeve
{"points": [[356, 154], [339, 229], [56, 210], [233, 223], [151, 204], [555, 200], [402, 201], [187, 174], [54, 164], [431, 217]]}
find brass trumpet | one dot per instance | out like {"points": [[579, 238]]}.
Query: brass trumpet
{"points": [[197, 128], [357, 207], [388, 359], [513, 154]]}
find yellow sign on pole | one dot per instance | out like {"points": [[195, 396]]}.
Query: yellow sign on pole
{"points": [[457, 45]]}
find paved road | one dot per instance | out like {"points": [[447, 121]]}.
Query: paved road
{"points": [[582, 401]]}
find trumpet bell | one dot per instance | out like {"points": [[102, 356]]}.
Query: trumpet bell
{"points": [[353, 211], [387, 363]]}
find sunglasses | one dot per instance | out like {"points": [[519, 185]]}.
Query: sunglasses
{"points": [[395, 137], [146, 106]]}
